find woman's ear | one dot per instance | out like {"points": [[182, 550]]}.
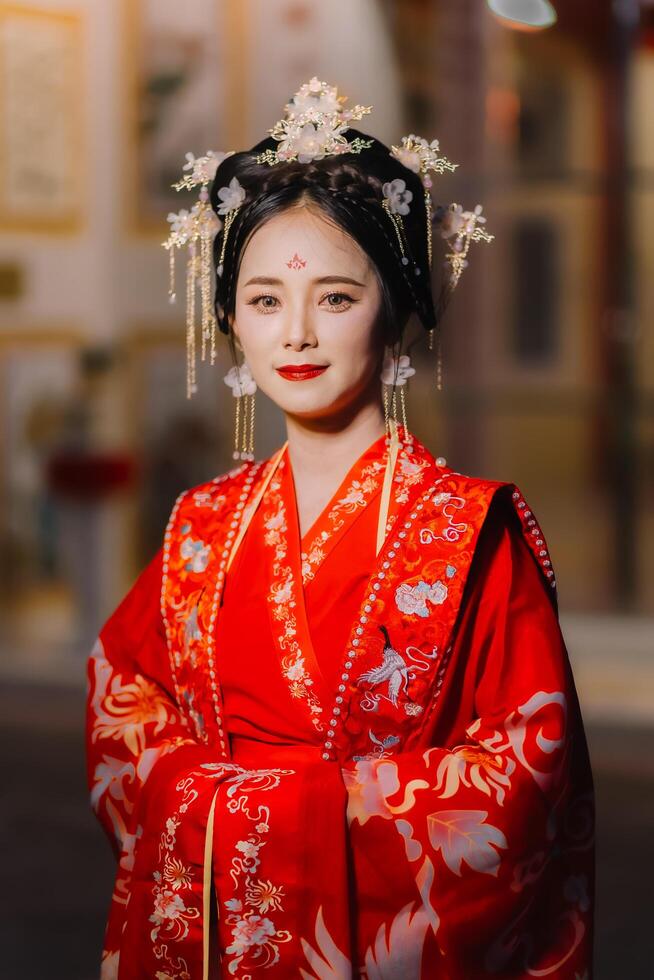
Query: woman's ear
{"points": [[233, 329]]}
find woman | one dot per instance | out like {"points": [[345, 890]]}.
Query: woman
{"points": [[333, 730]]}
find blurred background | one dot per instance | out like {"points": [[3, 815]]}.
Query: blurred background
{"points": [[548, 359]]}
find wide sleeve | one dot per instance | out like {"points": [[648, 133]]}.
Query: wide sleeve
{"points": [[132, 718], [499, 829]]}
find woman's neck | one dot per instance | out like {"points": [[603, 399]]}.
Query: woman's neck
{"points": [[320, 451], [321, 457]]}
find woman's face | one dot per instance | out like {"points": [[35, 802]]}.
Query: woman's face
{"points": [[307, 316]]}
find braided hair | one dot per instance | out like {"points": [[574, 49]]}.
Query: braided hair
{"points": [[348, 189]]}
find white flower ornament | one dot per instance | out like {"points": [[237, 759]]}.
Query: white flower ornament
{"points": [[240, 380], [460, 228], [396, 371], [202, 169], [397, 195], [417, 154], [232, 196], [313, 126]]}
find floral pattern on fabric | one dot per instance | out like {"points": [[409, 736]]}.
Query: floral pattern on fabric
{"points": [[283, 602], [453, 796], [251, 912]]}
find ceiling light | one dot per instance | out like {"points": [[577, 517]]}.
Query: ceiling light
{"points": [[524, 15]]}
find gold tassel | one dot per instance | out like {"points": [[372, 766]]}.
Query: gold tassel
{"points": [[172, 295], [191, 380], [428, 214]]}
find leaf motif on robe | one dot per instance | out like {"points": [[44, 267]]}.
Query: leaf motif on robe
{"points": [[395, 955], [462, 835], [109, 967], [333, 964], [399, 958]]}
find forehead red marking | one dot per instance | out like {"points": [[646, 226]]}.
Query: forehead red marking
{"points": [[296, 262]]}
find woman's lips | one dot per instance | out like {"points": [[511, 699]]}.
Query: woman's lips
{"points": [[301, 372]]}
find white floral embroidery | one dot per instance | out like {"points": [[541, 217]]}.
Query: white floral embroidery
{"points": [[281, 597], [412, 600], [254, 934], [197, 552], [251, 931]]}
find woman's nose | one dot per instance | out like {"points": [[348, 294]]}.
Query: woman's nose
{"points": [[299, 333]]}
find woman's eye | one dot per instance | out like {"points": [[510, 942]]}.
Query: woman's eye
{"points": [[266, 303], [258, 301], [342, 300]]}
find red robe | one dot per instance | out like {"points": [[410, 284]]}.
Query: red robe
{"points": [[321, 762]]}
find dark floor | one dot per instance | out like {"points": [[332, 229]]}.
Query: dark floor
{"points": [[58, 868]]}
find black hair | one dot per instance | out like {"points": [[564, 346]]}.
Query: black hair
{"points": [[348, 190]]}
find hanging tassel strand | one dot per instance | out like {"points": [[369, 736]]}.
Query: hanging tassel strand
{"points": [[191, 380]]}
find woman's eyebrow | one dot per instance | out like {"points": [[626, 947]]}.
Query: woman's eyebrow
{"points": [[270, 281]]}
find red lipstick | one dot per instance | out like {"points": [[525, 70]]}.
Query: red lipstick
{"points": [[300, 372]]}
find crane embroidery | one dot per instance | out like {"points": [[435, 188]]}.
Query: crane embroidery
{"points": [[397, 673]]}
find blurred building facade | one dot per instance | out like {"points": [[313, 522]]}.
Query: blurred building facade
{"points": [[548, 359]]}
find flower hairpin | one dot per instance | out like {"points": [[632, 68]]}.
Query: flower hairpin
{"points": [[396, 370], [195, 229], [421, 156], [396, 199], [313, 126], [397, 195], [460, 228], [202, 169], [239, 379]]}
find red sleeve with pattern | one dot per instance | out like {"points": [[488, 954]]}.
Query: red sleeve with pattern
{"points": [[131, 714], [499, 829]]}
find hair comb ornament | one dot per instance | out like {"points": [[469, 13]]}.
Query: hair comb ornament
{"points": [[313, 126]]}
